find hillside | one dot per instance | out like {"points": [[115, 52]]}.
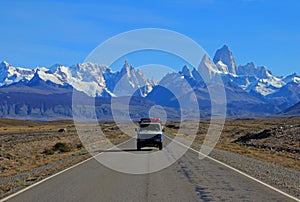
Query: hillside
{"points": [[292, 111]]}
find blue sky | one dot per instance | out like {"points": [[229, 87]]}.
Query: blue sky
{"points": [[42, 33]]}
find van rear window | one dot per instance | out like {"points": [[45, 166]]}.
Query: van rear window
{"points": [[149, 127]]}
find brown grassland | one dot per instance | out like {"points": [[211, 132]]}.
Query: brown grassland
{"points": [[281, 144]]}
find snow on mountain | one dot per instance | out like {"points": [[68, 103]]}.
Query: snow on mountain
{"points": [[92, 79], [100, 80], [263, 72], [88, 72], [293, 78], [249, 69], [207, 68], [289, 93], [129, 80], [248, 77], [10, 74], [222, 67], [259, 80], [226, 57], [46, 75], [177, 86], [248, 88], [86, 77], [262, 89], [186, 71], [182, 82]]}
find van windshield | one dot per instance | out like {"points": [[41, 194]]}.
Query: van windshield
{"points": [[149, 127]]}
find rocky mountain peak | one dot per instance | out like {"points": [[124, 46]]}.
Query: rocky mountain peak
{"points": [[247, 70], [4, 66], [207, 68], [226, 56], [263, 72], [186, 71], [4, 63], [126, 69]]}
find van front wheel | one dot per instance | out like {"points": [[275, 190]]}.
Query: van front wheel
{"points": [[160, 146]]}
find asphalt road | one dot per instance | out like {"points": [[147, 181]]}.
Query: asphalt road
{"points": [[188, 179]]}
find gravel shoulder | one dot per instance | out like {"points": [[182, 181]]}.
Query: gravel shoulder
{"points": [[283, 178]]}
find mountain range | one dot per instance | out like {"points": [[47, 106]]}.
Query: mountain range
{"points": [[46, 93]]}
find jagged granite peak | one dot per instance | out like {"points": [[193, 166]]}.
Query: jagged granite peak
{"points": [[55, 66], [128, 80], [196, 75], [91, 67], [126, 69], [207, 68], [226, 56], [186, 71], [153, 81], [4, 65], [263, 72], [248, 70], [3, 72], [36, 77]]}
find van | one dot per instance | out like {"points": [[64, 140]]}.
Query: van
{"points": [[149, 133]]}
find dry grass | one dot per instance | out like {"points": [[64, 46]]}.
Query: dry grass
{"points": [[233, 129], [237, 128]]}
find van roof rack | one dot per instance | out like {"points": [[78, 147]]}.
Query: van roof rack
{"points": [[147, 120]]}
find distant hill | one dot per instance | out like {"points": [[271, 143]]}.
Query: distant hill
{"points": [[292, 111]]}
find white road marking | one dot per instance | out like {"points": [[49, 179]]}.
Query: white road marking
{"points": [[238, 171], [52, 176]]}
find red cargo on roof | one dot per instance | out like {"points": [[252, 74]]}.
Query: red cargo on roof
{"points": [[150, 119]]}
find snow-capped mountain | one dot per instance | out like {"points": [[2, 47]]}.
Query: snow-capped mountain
{"points": [[258, 80], [224, 58], [130, 80], [250, 90], [92, 79], [208, 68], [100, 80], [10, 74], [294, 78]]}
